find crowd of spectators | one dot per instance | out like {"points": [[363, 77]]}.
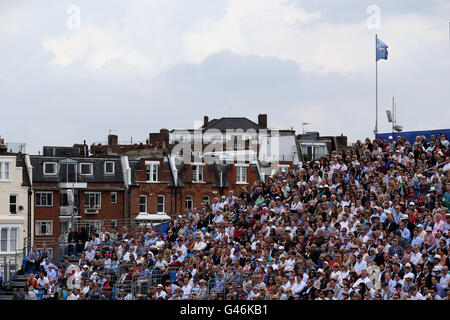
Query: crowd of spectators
{"points": [[369, 223]]}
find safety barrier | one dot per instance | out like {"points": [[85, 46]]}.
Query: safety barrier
{"points": [[135, 287]]}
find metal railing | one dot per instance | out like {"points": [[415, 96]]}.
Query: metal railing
{"points": [[50, 243], [135, 288], [133, 226], [9, 268]]}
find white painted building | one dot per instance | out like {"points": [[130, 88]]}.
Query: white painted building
{"points": [[16, 208], [265, 147]]}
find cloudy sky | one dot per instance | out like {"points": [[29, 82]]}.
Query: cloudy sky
{"points": [[74, 70]]}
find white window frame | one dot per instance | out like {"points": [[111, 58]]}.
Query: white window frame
{"points": [[145, 203], [286, 167], [55, 166], [40, 193], [62, 223], [38, 225], [5, 175], [16, 203], [113, 167], [96, 206], [189, 198], [91, 169], [239, 175], [93, 224], [163, 204], [9, 227], [196, 173], [115, 195], [152, 174], [208, 201]]}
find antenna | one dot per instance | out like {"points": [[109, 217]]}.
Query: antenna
{"points": [[304, 124], [392, 117]]}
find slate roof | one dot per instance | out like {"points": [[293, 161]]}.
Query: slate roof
{"points": [[98, 172], [223, 124]]}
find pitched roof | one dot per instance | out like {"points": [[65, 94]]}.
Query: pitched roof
{"points": [[223, 124]]}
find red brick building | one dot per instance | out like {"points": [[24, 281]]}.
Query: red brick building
{"points": [[69, 188], [165, 181]]}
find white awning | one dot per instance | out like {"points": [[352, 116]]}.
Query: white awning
{"points": [[144, 216]]}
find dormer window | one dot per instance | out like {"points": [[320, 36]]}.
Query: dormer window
{"points": [[50, 168], [109, 167], [86, 168], [152, 170]]}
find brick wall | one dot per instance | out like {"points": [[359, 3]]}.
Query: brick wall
{"points": [[108, 211]]}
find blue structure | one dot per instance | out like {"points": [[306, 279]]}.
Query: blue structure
{"points": [[411, 135]]}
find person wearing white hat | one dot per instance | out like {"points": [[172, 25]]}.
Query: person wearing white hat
{"points": [[160, 293], [437, 258], [429, 239]]}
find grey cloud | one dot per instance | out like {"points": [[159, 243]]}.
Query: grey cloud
{"points": [[51, 105]]}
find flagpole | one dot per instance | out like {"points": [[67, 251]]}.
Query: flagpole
{"points": [[376, 89]]}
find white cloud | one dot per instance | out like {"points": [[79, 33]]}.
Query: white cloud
{"points": [[277, 28], [13, 20], [280, 59], [96, 47]]}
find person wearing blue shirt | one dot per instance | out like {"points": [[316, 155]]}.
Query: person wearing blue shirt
{"points": [[435, 283], [406, 234], [34, 259], [417, 239], [152, 240]]}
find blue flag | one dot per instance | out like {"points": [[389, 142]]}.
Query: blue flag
{"points": [[381, 50]]}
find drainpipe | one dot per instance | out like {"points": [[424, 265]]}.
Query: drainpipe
{"points": [[129, 201], [171, 200], [125, 203], [29, 233], [175, 195]]}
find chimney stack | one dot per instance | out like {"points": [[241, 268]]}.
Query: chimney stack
{"points": [[262, 121], [165, 136], [113, 140], [205, 121], [3, 147]]}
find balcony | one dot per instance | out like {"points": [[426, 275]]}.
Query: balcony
{"points": [[67, 211]]}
